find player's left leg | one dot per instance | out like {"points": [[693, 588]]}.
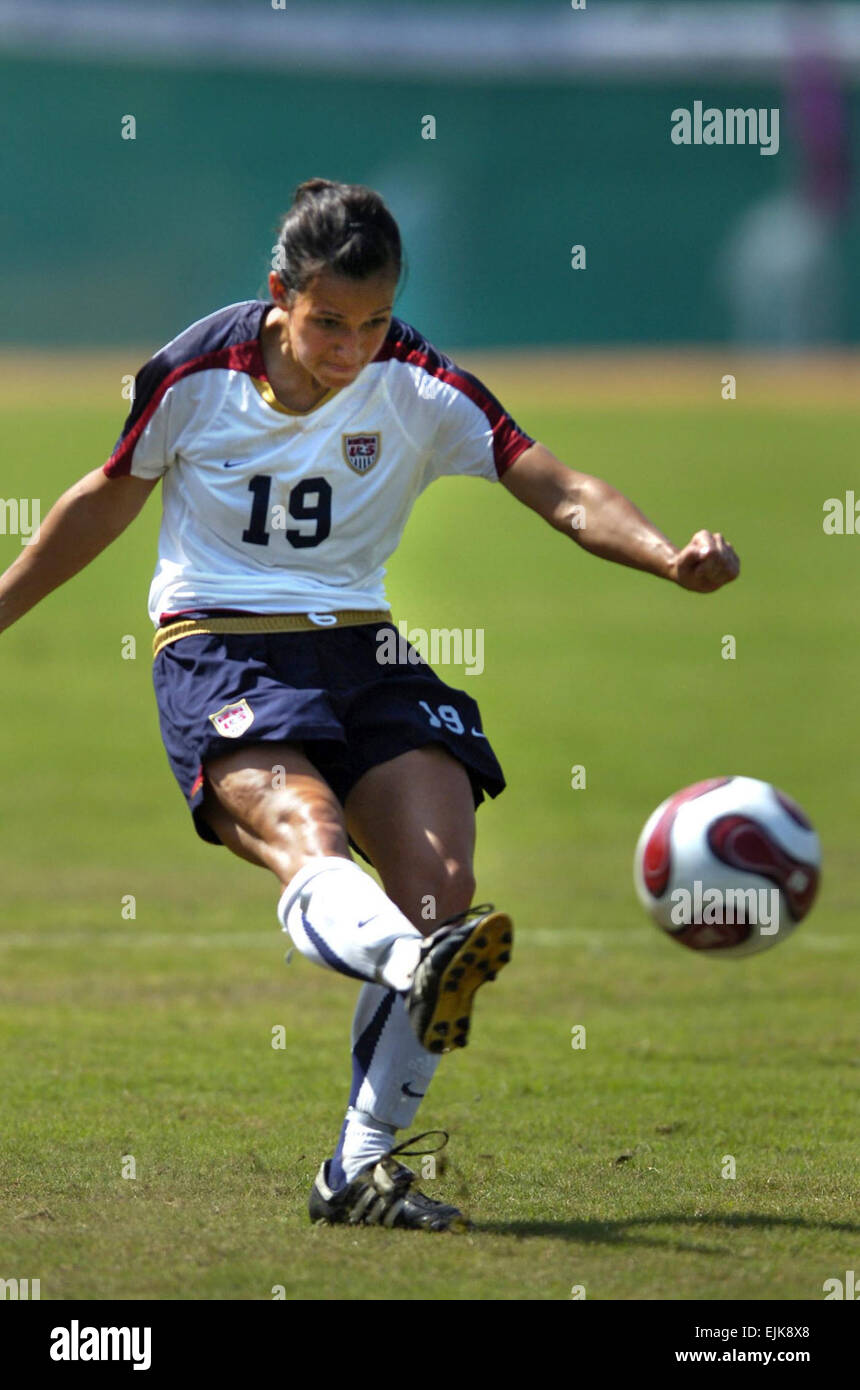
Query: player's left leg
{"points": [[414, 817]]}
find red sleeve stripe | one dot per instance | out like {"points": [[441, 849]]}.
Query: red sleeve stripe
{"points": [[240, 357], [509, 441]]}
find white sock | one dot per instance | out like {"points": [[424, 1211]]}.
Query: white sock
{"points": [[391, 1073], [339, 918], [364, 1140]]}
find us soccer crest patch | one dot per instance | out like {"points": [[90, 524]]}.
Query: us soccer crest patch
{"points": [[233, 720], [361, 451]]}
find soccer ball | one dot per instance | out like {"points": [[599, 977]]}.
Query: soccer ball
{"points": [[728, 866]]}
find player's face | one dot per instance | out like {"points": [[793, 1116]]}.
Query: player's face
{"points": [[337, 326]]}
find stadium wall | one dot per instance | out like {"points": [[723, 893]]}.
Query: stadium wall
{"points": [[109, 240]]}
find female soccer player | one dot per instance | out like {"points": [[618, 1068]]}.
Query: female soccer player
{"points": [[292, 437]]}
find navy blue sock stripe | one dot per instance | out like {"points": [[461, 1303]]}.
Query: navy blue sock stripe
{"points": [[362, 1055], [330, 957]]}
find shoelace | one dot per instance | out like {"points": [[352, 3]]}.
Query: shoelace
{"points": [[459, 917], [414, 1139]]}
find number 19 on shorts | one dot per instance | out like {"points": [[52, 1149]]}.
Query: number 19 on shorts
{"points": [[446, 716]]}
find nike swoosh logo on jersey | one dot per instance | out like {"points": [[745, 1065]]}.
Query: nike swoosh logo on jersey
{"points": [[233, 463], [416, 1095]]}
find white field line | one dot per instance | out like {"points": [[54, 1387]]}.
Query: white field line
{"points": [[556, 938]]}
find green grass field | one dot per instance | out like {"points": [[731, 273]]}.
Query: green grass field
{"points": [[599, 1167]]}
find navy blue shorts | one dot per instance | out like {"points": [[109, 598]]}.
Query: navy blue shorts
{"points": [[325, 690]]}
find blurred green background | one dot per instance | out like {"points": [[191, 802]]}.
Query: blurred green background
{"points": [[552, 130]]}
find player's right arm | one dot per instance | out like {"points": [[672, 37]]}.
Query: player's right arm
{"points": [[91, 514]]}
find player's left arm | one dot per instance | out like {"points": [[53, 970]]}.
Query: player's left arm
{"points": [[603, 521]]}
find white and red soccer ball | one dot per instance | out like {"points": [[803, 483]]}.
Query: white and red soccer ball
{"points": [[728, 866]]}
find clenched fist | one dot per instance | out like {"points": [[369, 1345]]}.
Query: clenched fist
{"points": [[706, 563]]}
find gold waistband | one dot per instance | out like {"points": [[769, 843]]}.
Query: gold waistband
{"points": [[265, 622]]}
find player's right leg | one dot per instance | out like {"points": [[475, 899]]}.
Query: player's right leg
{"points": [[268, 804]]}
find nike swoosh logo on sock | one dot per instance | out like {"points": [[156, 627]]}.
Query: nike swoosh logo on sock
{"points": [[416, 1095]]}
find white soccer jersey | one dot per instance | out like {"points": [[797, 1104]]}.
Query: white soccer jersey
{"points": [[271, 511]]}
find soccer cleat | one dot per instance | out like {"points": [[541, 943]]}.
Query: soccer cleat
{"points": [[383, 1194], [455, 961]]}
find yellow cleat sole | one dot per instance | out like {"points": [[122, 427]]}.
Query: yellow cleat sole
{"points": [[486, 950]]}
